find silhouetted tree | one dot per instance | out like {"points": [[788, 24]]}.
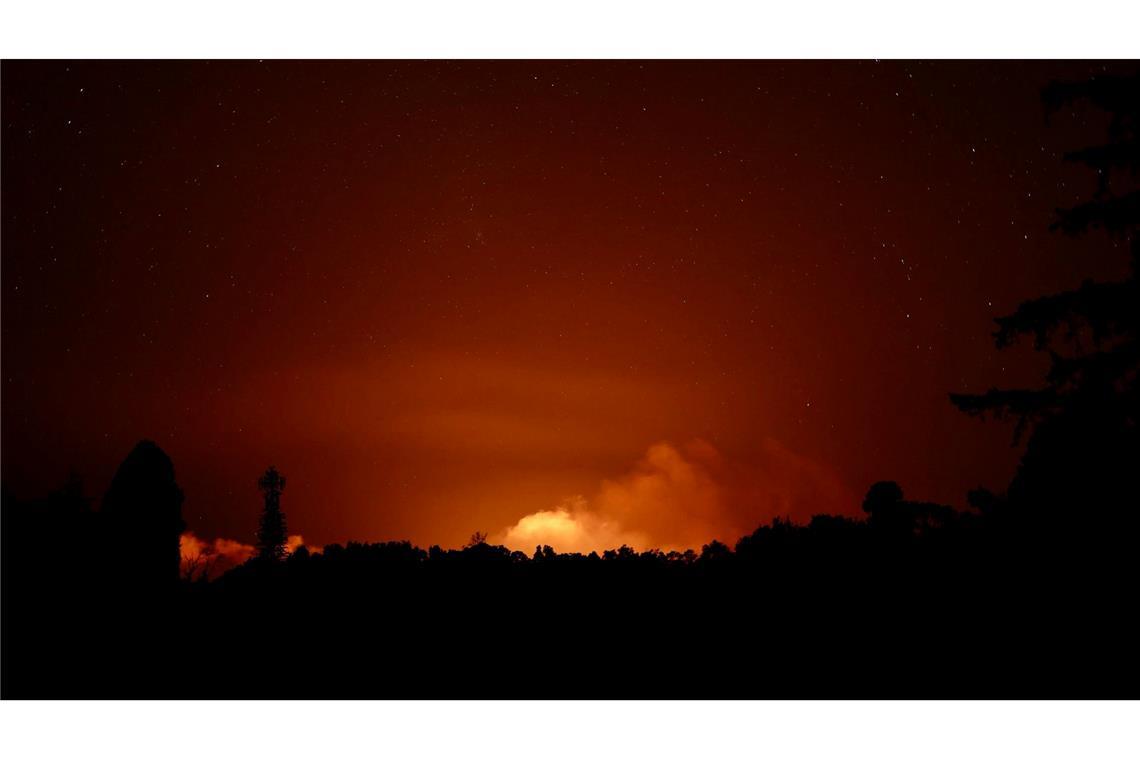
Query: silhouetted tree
{"points": [[889, 513], [886, 510], [198, 567], [271, 533], [142, 518], [882, 499], [478, 548], [715, 551], [1083, 444]]}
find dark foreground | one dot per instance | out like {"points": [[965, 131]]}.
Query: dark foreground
{"points": [[383, 621]]}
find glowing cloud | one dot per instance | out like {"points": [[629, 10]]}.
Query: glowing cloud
{"points": [[569, 527], [221, 554], [679, 498]]}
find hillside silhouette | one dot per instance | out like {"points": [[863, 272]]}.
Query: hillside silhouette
{"points": [[1026, 593]]}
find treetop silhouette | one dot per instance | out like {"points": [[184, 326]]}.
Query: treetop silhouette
{"points": [[271, 532], [142, 517], [1082, 422]]}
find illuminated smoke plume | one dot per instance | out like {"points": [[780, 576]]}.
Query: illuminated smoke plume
{"points": [[679, 498]]}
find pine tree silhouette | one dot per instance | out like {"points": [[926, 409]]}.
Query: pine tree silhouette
{"points": [[271, 535], [1082, 423]]}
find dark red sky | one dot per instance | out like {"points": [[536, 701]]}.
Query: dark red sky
{"points": [[441, 297]]}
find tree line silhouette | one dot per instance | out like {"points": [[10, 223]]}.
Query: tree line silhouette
{"points": [[1029, 592]]}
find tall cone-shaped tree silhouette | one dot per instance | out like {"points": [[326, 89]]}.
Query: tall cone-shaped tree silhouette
{"points": [[271, 535], [142, 519], [1083, 442]]}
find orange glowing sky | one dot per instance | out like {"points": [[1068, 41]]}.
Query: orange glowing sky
{"points": [[643, 302]]}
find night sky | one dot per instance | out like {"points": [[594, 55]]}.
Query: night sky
{"points": [[654, 302]]}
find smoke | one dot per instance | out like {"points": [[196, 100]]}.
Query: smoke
{"points": [[221, 554], [679, 498], [569, 527]]}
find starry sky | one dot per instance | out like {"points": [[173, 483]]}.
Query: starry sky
{"points": [[652, 302]]}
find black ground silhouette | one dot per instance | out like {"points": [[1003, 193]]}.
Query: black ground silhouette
{"points": [[916, 600]]}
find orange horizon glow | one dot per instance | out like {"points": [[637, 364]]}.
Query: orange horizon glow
{"points": [[568, 303]]}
